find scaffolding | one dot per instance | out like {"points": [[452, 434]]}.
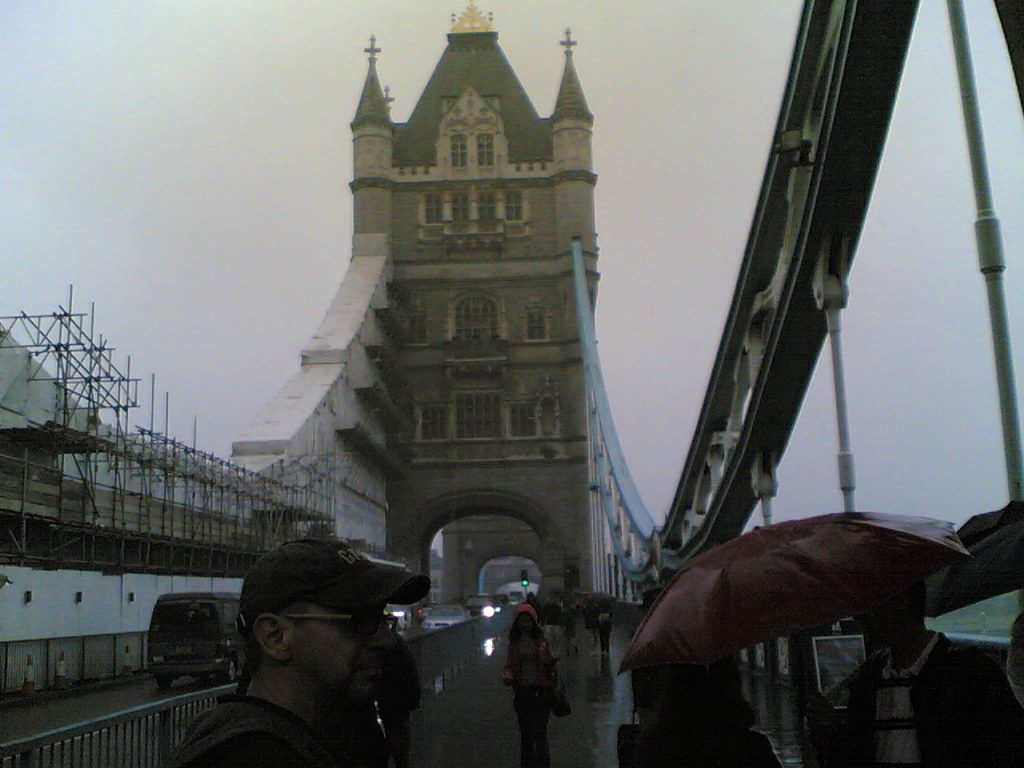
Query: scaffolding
{"points": [[80, 488]]}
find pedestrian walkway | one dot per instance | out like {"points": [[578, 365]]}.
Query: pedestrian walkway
{"points": [[472, 723]]}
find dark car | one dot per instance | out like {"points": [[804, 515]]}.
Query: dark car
{"points": [[194, 633], [482, 605]]}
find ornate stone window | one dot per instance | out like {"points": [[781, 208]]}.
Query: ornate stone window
{"points": [[460, 206], [514, 206], [476, 319], [522, 419], [536, 325], [477, 414], [485, 149], [417, 327], [434, 422], [548, 416], [460, 151], [486, 209], [433, 208]]}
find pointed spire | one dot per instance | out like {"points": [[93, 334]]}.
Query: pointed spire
{"points": [[373, 106], [571, 103]]}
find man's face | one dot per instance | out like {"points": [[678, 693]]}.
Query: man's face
{"points": [[335, 656], [887, 620]]}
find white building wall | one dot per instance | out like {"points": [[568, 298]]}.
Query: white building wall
{"points": [[106, 607]]}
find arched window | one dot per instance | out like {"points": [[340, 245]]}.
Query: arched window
{"points": [[460, 150], [485, 149], [476, 319]]}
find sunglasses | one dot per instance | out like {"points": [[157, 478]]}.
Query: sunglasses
{"points": [[365, 623]]}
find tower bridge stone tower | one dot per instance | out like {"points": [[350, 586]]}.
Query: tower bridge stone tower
{"points": [[445, 380], [480, 197]]}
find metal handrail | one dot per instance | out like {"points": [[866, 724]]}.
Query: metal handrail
{"points": [[147, 733]]}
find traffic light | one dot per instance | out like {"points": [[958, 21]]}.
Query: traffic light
{"points": [[524, 578]]}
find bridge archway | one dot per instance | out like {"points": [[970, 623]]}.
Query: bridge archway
{"points": [[531, 534], [501, 574]]}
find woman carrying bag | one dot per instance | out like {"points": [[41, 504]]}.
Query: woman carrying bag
{"points": [[528, 668]]}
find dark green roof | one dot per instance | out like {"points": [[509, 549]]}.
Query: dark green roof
{"points": [[372, 109], [571, 102], [473, 60]]}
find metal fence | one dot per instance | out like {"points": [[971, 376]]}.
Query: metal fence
{"points": [[142, 737], [139, 737], [62, 661]]}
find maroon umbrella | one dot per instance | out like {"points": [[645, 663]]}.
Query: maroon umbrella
{"points": [[785, 578]]}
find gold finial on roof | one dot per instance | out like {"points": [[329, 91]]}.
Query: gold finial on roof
{"points": [[472, 21]]}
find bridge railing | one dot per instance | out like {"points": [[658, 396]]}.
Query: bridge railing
{"points": [[143, 736], [140, 737]]}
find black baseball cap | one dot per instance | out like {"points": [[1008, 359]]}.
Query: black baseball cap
{"points": [[328, 572]]}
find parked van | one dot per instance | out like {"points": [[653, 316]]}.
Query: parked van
{"points": [[194, 633]]}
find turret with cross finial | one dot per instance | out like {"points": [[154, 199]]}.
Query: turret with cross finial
{"points": [[372, 149], [373, 108], [568, 42], [571, 102], [373, 50], [571, 124]]}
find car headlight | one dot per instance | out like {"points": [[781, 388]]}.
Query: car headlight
{"points": [[487, 611]]}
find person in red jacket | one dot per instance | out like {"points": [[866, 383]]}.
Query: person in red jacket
{"points": [[527, 669]]}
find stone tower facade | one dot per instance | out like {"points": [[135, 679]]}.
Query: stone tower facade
{"points": [[479, 198]]}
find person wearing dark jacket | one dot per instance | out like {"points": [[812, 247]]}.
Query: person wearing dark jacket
{"points": [[527, 669], [312, 614], [920, 701], [399, 695], [700, 720]]}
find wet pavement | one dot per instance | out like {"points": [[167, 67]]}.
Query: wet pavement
{"points": [[471, 722]]}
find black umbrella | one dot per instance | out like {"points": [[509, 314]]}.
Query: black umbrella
{"points": [[996, 541]]}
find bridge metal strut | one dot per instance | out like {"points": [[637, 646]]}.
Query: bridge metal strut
{"points": [[618, 515], [835, 113], [827, 146]]}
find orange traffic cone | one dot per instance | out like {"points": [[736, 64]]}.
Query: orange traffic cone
{"points": [[29, 686], [126, 665], [60, 679]]}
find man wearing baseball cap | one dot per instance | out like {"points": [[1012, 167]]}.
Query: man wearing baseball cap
{"points": [[312, 614]]}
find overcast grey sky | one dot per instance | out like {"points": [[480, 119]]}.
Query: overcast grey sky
{"points": [[185, 166]]}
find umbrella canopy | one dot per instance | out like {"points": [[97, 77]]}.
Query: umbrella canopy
{"points": [[996, 541], [785, 578], [987, 523]]}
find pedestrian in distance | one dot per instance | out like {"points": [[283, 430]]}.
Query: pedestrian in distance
{"points": [[604, 627], [569, 610], [591, 610], [700, 720], [551, 619], [919, 701], [312, 615], [528, 669]]}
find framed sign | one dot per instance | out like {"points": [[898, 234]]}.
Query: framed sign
{"points": [[782, 655], [759, 656], [835, 659]]}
